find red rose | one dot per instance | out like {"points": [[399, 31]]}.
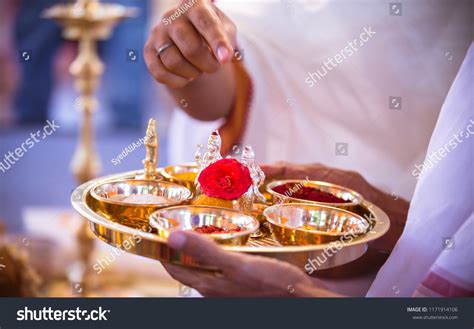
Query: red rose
{"points": [[226, 179]]}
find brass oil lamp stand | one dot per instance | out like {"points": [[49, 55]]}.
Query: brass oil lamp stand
{"points": [[87, 22]]}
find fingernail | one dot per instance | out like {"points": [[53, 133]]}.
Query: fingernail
{"points": [[222, 54], [176, 240]]}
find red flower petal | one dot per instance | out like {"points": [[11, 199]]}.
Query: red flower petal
{"points": [[226, 179]]}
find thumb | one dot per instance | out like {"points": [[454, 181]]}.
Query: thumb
{"points": [[199, 247]]}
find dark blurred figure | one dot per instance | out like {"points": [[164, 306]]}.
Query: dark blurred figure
{"points": [[126, 73], [38, 39], [8, 62]]}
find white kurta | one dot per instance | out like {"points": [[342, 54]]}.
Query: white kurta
{"points": [[371, 57], [442, 208]]}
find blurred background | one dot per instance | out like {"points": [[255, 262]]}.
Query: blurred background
{"points": [[39, 249], [36, 86], [36, 89]]}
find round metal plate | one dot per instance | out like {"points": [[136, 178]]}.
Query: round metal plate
{"points": [[145, 243]]}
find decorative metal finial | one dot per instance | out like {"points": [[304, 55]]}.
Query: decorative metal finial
{"points": [[151, 145]]}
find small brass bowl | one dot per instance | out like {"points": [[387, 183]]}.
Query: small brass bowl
{"points": [[183, 174], [352, 197], [109, 199], [189, 217], [309, 224]]}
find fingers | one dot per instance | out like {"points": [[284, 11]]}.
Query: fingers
{"points": [[157, 69], [174, 61], [207, 23], [171, 58], [202, 39], [273, 170], [191, 277], [202, 249], [283, 279], [243, 269], [242, 275], [193, 47], [287, 170], [283, 169], [317, 171], [207, 283], [228, 26]]}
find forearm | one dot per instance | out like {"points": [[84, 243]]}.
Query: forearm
{"points": [[209, 97]]}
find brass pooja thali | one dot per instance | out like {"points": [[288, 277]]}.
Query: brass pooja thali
{"points": [[288, 229]]}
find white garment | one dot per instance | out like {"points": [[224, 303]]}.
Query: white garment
{"points": [[414, 56], [442, 203]]}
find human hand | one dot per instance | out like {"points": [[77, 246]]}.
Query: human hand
{"points": [[202, 39], [240, 274], [317, 171], [396, 208]]}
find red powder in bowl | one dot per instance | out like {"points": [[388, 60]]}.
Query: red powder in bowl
{"points": [[211, 229], [298, 191]]}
